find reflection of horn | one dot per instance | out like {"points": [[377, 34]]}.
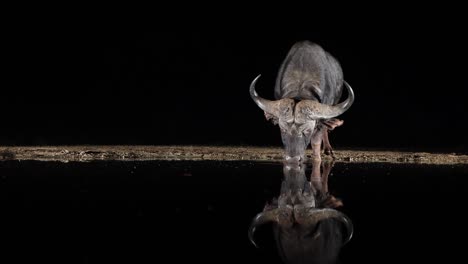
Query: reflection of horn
{"points": [[317, 215], [260, 219]]}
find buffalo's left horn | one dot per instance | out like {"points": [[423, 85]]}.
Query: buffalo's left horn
{"points": [[315, 110], [260, 219], [317, 215]]}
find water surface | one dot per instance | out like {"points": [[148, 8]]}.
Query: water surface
{"points": [[179, 212]]}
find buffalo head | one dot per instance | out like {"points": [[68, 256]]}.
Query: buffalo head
{"points": [[298, 119]]}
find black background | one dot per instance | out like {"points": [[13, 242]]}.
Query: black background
{"points": [[72, 80], [157, 83]]}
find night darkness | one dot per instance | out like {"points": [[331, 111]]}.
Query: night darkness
{"points": [[157, 86], [123, 81]]}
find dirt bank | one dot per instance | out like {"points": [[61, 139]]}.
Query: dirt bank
{"points": [[128, 153]]}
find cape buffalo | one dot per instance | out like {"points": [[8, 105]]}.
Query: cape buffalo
{"points": [[307, 91]]}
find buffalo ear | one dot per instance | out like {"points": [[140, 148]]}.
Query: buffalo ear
{"points": [[272, 118], [330, 124]]}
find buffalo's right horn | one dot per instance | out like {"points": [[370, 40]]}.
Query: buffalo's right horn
{"points": [[271, 107]]}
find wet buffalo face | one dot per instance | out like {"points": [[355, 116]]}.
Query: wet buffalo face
{"points": [[296, 137]]}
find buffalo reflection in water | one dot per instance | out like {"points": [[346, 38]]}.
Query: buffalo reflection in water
{"points": [[307, 227]]}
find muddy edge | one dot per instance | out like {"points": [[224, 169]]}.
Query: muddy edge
{"points": [[123, 153]]}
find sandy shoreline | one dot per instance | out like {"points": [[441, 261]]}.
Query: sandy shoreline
{"points": [[225, 153]]}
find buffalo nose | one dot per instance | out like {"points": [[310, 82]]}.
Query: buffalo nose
{"points": [[293, 159]]}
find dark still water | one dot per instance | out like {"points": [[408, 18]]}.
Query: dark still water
{"points": [[200, 212]]}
